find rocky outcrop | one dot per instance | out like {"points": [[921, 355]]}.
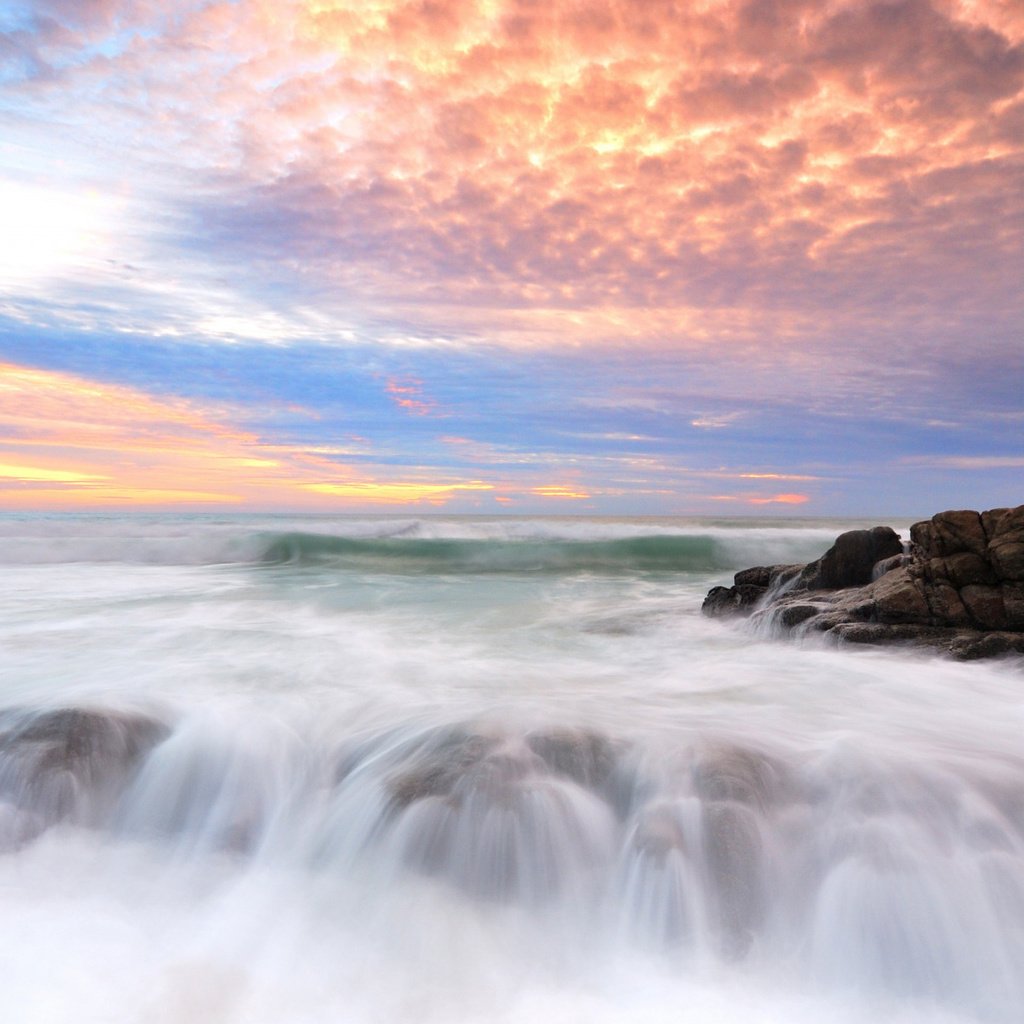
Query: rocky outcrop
{"points": [[960, 588], [749, 587]]}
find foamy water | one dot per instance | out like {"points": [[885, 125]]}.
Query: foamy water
{"points": [[307, 769]]}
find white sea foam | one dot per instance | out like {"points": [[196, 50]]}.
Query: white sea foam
{"points": [[319, 791]]}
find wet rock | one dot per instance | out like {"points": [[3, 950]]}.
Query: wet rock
{"points": [[1007, 558], [1013, 605], [963, 579], [495, 818], [888, 564], [758, 576], [945, 604], [898, 597], [440, 767], [970, 646], [750, 587], [658, 832], [965, 567], [952, 532], [587, 758], [985, 606], [793, 614], [733, 851], [851, 560], [71, 763], [739, 775], [736, 600]]}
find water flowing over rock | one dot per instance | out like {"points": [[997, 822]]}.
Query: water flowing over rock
{"points": [[959, 589], [66, 764], [872, 870]]}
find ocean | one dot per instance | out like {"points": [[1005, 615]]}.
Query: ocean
{"points": [[418, 769]]}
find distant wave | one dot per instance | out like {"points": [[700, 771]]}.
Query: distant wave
{"points": [[444, 545], [436, 555]]}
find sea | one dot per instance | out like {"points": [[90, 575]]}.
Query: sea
{"points": [[298, 769]]}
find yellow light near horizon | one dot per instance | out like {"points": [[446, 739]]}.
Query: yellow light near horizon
{"points": [[559, 491], [396, 493], [36, 474], [110, 496]]}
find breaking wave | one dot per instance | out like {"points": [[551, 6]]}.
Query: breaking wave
{"points": [[442, 545], [664, 553]]}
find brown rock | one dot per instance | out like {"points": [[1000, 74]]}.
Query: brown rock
{"points": [[781, 574], [1006, 555], [985, 605], [1010, 521], [855, 604], [945, 605], [887, 633], [758, 576], [973, 645], [851, 560], [958, 531], [961, 589], [861, 632], [990, 521], [888, 564], [1013, 604], [922, 540], [793, 614], [898, 599], [738, 600], [965, 568]]}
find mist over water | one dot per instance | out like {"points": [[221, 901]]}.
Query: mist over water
{"points": [[306, 769]]}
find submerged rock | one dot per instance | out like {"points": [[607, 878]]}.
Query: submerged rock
{"points": [[67, 764], [504, 816], [960, 588]]}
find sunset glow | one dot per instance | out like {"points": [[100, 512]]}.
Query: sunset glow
{"points": [[636, 246]]}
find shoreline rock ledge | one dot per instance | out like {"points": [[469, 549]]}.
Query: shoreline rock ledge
{"points": [[958, 587]]}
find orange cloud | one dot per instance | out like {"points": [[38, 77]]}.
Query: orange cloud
{"points": [[781, 499], [775, 499], [407, 394], [665, 171], [73, 442], [615, 155]]}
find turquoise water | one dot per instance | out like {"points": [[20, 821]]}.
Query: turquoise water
{"points": [[455, 769]]}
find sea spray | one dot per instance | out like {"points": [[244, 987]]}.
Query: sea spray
{"points": [[312, 791]]}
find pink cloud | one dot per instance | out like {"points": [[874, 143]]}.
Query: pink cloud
{"points": [[407, 394], [782, 158]]}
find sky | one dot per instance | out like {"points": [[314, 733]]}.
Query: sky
{"points": [[512, 256]]}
